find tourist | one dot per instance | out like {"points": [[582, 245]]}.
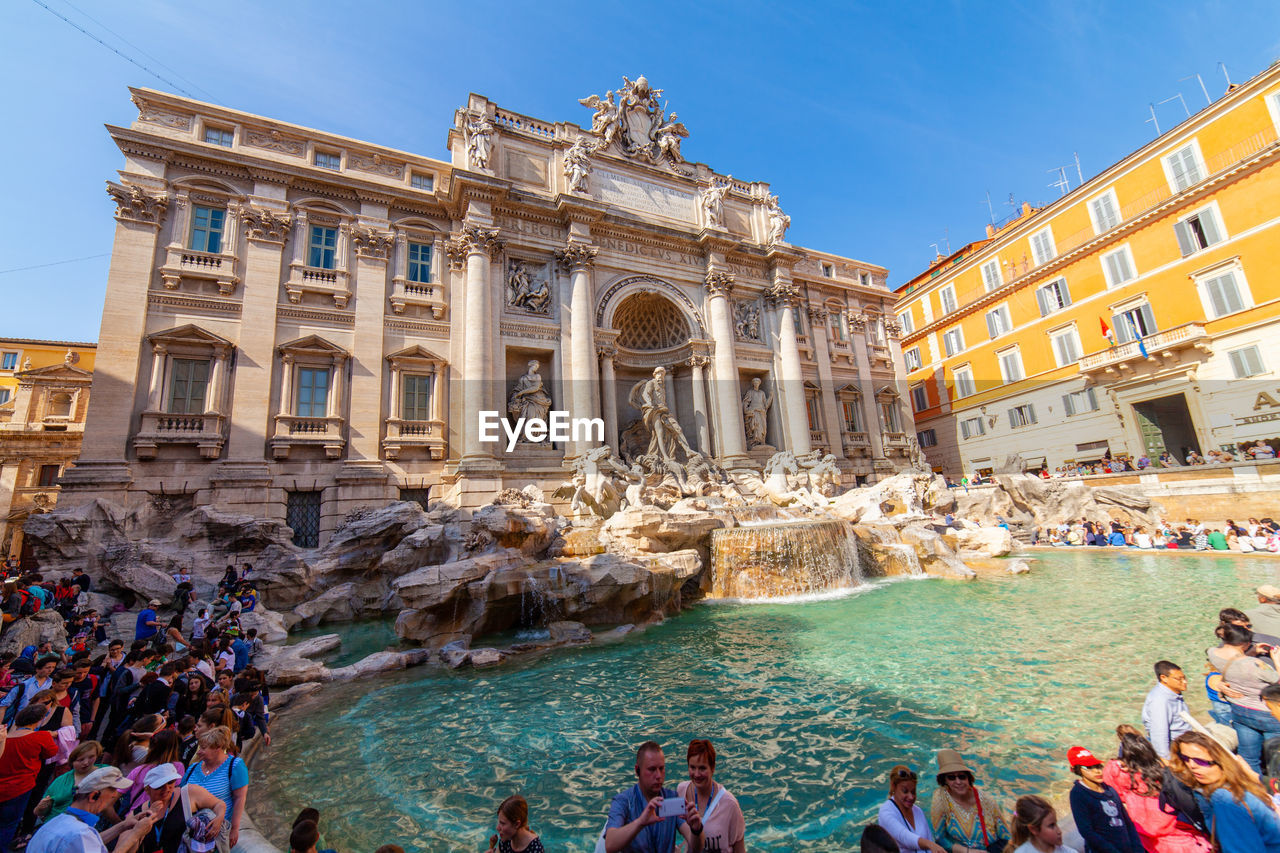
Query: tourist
{"points": [[172, 803], [961, 821], [900, 815], [1138, 777], [200, 624], [75, 830], [166, 749], [1097, 809], [1163, 709], [723, 826], [226, 777], [1262, 450], [155, 694], [228, 581], [1217, 540], [195, 699], [876, 839], [634, 824], [1266, 616], [305, 835], [1035, 828], [1235, 805], [84, 759], [60, 724], [173, 634], [1142, 538], [513, 833], [134, 746], [26, 748], [19, 697], [148, 626]]}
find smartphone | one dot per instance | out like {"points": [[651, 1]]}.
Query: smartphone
{"points": [[671, 807]]}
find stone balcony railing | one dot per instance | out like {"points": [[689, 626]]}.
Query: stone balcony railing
{"points": [[205, 431], [295, 431], [334, 283], [60, 423], [1161, 345], [182, 263], [856, 439], [894, 439], [402, 435], [426, 294]]}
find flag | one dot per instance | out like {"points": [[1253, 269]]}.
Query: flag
{"points": [[1137, 335], [1107, 333]]}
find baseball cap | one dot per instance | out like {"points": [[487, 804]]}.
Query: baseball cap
{"points": [[1078, 756], [160, 775], [1268, 591], [102, 779], [155, 602]]}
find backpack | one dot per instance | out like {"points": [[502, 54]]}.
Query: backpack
{"points": [[11, 712], [30, 605]]}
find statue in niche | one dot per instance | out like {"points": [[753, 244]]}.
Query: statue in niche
{"points": [[529, 399], [478, 132], [527, 292], [755, 414], [577, 165], [669, 136], [746, 321], [712, 203], [779, 222], [665, 434]]}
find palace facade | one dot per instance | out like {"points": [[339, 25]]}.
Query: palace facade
{"points": [[298, 324], [1137, 314]]}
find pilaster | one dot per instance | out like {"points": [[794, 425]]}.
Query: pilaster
{"points": [[784, 296]]}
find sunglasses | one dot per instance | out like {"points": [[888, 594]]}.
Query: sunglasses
{"points": [[947, 777], [905, 774], [1199, 762]]}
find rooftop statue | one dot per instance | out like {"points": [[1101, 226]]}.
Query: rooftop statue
{"points": [[779, 222], [637, 122]]}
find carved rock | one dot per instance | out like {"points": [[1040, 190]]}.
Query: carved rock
{"points": [[32, 631]]}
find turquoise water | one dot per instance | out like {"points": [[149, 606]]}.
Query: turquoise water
{"points": [[808, 703], [359, 639]]}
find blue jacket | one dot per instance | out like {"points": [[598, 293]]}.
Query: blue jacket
{"points": [[1251, 827]]}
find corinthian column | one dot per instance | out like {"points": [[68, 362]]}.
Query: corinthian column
{"points": [[481, 246], [822, 354], [578, 259], [784, 296], [732, 442]]}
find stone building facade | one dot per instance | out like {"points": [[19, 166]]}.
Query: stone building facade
{"points": [[298, 324], [44, 396]]}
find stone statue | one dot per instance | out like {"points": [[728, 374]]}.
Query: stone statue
{"points": [[779, 222], [478, 132], [920, 463], [755, 414], [665, 434], [637, 122], [746, 321], [712, 203], [528, 399], [525, 291], [604, 123], [577, 165], [669, 136], [824, 473]]}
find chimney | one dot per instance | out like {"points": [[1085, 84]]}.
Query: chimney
{"points": [[1026, 208], [991, 230]]}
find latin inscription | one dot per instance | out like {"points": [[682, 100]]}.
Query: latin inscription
{"points": [[537, 229], [630, 247], [641, 195]]}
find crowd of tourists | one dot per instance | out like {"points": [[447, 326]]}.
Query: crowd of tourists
{"points": [[1254, 536]]}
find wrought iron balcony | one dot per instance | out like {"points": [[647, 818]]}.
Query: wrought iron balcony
{"points": [[1161, 345]]}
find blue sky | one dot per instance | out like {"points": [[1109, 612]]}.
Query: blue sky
{"points": [[881, 126]]}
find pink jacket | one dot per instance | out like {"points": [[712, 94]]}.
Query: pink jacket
{"points": [[1160, 831]]}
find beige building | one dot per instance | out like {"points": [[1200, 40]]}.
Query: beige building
{"points": [[298, 323], [44, 395]]}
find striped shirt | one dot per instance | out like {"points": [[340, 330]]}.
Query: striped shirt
{"points": [[222, 782]]}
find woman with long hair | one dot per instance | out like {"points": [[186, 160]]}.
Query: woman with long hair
{"points": [[963, 821], [513, 833], [166, 748], [1245, 675], [225, 776], [1236, 807], [1138, 776], [195, 699], [1035, 828], [133, 746]]}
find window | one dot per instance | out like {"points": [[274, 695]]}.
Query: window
{"points": [[927, 438], [1223, 294], [998, 322], [1042, 248], [908, 325], [1080, 402], [1066, 346], [1053, 296], [864, 278], [799, 320], [947, 296], [838, 332], [60, 405], [828, 271], [971, 427], [187, 386], [912, 358], [1183, 168], [852, 417], [953, 340], [991, 274], [1246, 362], [324, 247], [1137, 322], [49, 475], [814, 410], [302, 514], [1104, 211], [328, 160], [420, 181], [206, 229], [416, 402], [1198, 231], [9, 361], [919, 398], [219, 136], [4, 395], [313, 392], [1010, 365], [889, 416], [1118, 266], [420, 262], [419, 496], [1022, 416], [964, 382]]}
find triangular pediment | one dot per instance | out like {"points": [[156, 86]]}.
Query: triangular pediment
{"points": [[887, 391], [314, 344], [55, 372], [189, 334], [417, 351]]}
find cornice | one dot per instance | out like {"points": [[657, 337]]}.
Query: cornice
{"points": [[194, 303], [336, 318]]}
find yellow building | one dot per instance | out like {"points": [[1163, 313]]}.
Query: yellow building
{"points": [[44, 393], [1136, 314]]}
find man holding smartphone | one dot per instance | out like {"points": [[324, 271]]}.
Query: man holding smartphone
{"points": [[644, 818]]}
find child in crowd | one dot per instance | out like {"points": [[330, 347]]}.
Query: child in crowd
{"points": [[1035, 828], [1099, 814]]}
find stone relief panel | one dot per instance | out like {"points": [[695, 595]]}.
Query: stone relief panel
{"points": [[746, 321], [525, 167], [274, 140], [377, 164], [529, 286], [154, 114]]}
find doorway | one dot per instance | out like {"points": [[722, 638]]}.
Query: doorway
{"points": [[1165, 424]]}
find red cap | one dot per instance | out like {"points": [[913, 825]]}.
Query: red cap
{"points": [[1078, 756]]}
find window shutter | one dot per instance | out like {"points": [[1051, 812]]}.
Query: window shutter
{"points": [[1093, 399], [1112, 271], [1209, 223], [1238, 366], [1253, 359], [1120, 325], [1179, 172], [1042, 299], [1064, 292], [1148, 320], [1067, 405], [1031, 412], [1013, 419], [1186, 242], [992, 324]]}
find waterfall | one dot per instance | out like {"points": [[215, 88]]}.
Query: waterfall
{"points": [[768, 561], [903, 559]]}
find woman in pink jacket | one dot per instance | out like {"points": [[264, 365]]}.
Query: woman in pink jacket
{"points": [[1139, 776]]}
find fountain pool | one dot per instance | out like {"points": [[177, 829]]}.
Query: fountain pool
{"points": [[809, 704]]}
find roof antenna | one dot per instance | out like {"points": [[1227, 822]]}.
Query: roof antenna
{"points": [[1223, 66], [1079, 172], [1153, 120], [991, 210], [1207, 99], [1177, 97], [1063, 184]]}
